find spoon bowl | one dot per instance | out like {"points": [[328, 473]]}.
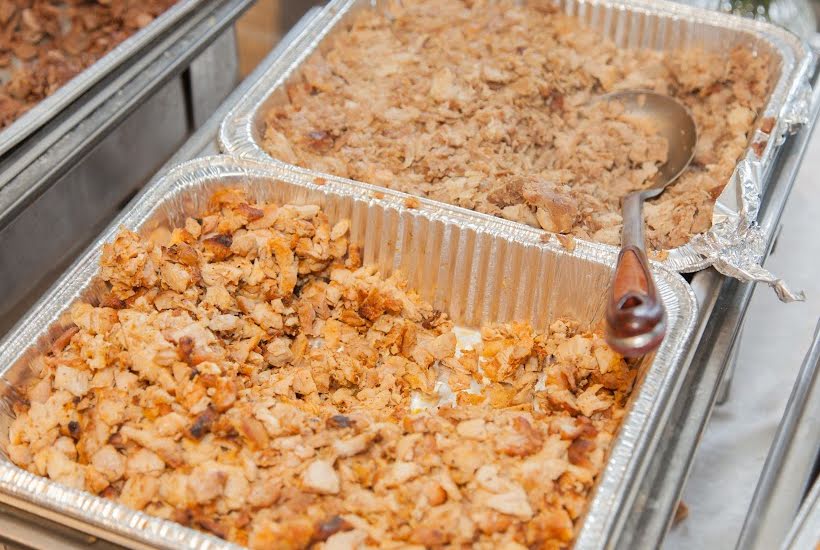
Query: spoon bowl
{"points": [[635, 316], [671, 119]]}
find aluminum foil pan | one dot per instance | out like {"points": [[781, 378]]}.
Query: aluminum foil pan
{"points": [[47, 109], [734, 244], [477, 272], [795, 15]]}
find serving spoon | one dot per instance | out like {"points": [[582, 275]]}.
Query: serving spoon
{"points": [[635, 316]]}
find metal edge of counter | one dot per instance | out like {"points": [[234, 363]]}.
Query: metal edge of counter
{"points": [[27, 172], [806, 529], [654, 504], [26, 530]]}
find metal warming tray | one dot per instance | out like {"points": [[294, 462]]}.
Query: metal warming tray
{"points": [[734, 244], [47, 109], [64, 184], [473, 270]]}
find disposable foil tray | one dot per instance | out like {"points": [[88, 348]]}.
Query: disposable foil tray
{"points": [[475, 270], [735, 244], [44, 111]]}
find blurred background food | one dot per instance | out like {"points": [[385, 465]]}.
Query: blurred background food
{"points": [[799, 16], [267, 21], [264, 24]]}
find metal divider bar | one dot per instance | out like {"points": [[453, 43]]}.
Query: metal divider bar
{"points": [[790, 463]]}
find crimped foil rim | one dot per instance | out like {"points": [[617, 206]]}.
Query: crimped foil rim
{"points": [[786, 105], [658, 385]]}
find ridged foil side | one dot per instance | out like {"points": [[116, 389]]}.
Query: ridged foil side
{"points": [[655, 24], [476, 271]]}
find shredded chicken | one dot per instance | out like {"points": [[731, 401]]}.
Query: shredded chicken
{"points": [[487, 105], [286, 417]]}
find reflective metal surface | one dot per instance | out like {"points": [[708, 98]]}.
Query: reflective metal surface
{"points": [[787, 473], [171, 48], [22, 531], [71, 90], [60, 201], [805, 532]]}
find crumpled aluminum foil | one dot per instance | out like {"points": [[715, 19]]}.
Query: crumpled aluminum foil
{"points": [[797, 110], [795, 15], [739, 254], [736, 245]]}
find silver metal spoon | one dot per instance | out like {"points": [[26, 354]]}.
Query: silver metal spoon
{"points": [[635, 316]]}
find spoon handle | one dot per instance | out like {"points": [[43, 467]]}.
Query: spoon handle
{"points": [[635, 316]]}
